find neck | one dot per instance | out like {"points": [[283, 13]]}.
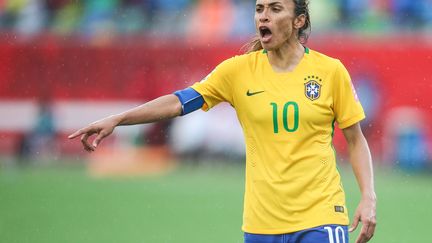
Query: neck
{"points": [[287, 57]]}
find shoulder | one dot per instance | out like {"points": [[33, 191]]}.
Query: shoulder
{"points": [[244, 59], [330, 65], [240, 63]]}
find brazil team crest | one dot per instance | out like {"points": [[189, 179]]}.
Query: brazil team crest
{"points": [[312, 88]]}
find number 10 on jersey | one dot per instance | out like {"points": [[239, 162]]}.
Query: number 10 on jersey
{"points": [[290, 116]]}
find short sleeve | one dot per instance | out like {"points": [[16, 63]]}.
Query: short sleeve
{"points": [[347, 107], [217, 86]]}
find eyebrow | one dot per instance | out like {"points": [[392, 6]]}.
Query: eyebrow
{"points": [[270, 4]]}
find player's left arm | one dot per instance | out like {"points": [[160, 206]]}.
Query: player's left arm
{"points": [[361, 162]]}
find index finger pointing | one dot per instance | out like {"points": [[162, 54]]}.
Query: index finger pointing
{"points": [[78, 133]]}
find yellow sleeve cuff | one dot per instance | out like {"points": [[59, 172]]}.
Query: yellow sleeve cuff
{"points": [[351, 121]]}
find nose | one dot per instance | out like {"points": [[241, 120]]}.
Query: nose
{"points": [[263, 16]]}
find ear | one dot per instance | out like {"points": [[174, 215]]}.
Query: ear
{"points": [[299, 21]]}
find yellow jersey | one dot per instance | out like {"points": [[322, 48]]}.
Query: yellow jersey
{"points": [[292, 182]]}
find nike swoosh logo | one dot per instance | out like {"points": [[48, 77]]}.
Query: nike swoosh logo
{"points": [[254, 93]]}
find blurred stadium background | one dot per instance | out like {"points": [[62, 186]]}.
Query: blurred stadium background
{"points": [[65, 63]]}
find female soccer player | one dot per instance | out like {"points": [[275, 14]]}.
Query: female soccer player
{"points": [[287, 98]]}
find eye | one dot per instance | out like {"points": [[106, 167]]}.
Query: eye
{"points": [[259, 9], [276, 9]]}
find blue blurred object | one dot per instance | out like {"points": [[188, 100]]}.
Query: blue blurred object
{"points": [[411, 150], [369, 96], [406, 140], [243, 24], [99, 16], [171, 5], [412, 14], [352, 10]]}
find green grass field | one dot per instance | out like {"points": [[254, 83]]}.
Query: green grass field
{"points": [[186, 205]]}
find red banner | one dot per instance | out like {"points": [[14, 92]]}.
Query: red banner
{"points": [[388, 73]]}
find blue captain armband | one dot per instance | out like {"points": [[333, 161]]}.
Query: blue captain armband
{"points": [[190, 99]]}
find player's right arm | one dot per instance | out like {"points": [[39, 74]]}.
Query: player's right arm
{"points": [[214, 89], [164, 107]]}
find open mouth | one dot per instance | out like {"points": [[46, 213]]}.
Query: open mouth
{"points": [[265, 33]]}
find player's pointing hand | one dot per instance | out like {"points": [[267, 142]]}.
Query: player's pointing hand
{"points": [[101, 128]]}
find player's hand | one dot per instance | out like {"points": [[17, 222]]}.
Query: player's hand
{"points": [[101, 128], [365, 213]]}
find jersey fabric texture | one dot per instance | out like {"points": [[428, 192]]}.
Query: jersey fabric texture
{"points": [[292, 182]]}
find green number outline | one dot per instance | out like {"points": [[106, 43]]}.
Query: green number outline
{"points": [[285, 116], [296, 116], [275, 117]]}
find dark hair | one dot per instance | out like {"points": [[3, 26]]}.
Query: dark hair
{"points": [[301, 7]]}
